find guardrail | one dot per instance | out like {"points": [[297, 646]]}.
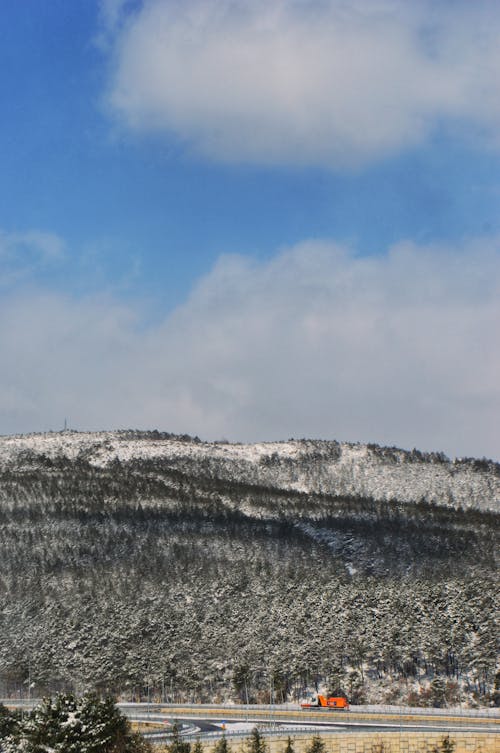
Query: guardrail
{"points": [[458, 711]]}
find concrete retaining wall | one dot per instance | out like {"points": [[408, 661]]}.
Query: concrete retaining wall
{"points": [[388, 742]]}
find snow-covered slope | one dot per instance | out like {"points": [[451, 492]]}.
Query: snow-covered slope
{"points": [[132, 560], [308, 466]]}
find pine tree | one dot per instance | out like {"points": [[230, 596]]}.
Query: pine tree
{"points": [[69, 725], [9, 722], [197, 746], [177, 744], [222, 746], [289, 746], [317, 745], [446, 746], [438, 692], [256, 743], [496, 690]]}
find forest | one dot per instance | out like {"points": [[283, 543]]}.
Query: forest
{"points": [[146, 565]]}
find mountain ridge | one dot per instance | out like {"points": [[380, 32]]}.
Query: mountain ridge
{"points": [[324, 466]]}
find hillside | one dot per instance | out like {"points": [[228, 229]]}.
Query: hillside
{"points": [[133, 559], [383, 473]]}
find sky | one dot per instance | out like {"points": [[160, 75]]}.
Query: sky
{"points": [[252, 219]]}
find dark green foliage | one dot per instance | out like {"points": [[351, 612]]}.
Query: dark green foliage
{"points": [[9, 721], [446, 746], [177, 744], [71, 725], [256, 742], [222, 746], [242, 681], [197, 746], [438, 692], [171, 574], [317, 745], [289, 746], [496, 690]]}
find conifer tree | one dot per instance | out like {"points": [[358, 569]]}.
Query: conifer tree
{"points": [[69, 725], [197, 746], [256, 743], [9, 721], [222, 746], [317, 745], [177, 744], [446, 746]]}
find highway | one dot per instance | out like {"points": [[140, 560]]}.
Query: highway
{"points": [[209, 721]]}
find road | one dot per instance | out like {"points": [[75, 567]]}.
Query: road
{"points": [[207, 721]]}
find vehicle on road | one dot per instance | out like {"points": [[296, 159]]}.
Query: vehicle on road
{"points": [[324, 702]]}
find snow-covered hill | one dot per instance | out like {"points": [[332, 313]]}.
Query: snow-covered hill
{"points": [[306, 466], [133, 560]]}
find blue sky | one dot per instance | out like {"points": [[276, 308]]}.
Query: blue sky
{"points": [[252, 220]]}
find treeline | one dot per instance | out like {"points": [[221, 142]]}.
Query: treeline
{"points": [[76, 513]]}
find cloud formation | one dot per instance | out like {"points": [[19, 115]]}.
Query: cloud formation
{"points": [[398, 349], [336, 83], [23, 253]]}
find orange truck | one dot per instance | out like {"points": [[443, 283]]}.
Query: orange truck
{"points": [[327, 703]]}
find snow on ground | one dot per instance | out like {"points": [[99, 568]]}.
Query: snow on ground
{"points": [[303, 466]]}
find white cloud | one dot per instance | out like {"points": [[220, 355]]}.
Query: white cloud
{"points": [[112, 14], [330, 82], [21, 254], [399, 349]]}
